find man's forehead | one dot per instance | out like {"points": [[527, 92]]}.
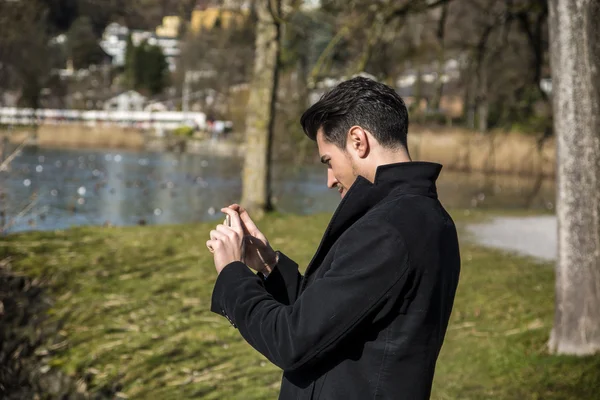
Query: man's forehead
{"points": [[322, 149]]}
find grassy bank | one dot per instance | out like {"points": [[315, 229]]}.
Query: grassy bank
{"points": [[134, 304]]}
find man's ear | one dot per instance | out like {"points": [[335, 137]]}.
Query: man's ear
{"points": [[358, 142]]}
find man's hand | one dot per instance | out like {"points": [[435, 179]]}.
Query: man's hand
{"points": [[226, 242], [258, 254]]}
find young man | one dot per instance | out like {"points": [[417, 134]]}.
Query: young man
{"points": [[368, 318]]}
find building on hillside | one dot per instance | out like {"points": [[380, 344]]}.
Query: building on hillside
{"points": [[451, 102], [156, 106], [126, 101], [209, 14], [114, 43], [326, 84], [310, 5], [170, 27], [164, 102]]}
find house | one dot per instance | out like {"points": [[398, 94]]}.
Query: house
{"points": [[126, 101], [326, 84], [310, 5], [114, 42], [158, 106], [451, 102], [170, 27], [208, 14]]}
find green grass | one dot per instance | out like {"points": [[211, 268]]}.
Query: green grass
{"points": [[134, 304]]}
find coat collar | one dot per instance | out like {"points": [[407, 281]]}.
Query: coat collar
{"points": [[414, 177]]}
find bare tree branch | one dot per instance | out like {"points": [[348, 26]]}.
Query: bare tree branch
{"points": [[8, 160]]}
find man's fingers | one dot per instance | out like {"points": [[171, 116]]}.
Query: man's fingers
{"points": [[210, 244], [235, 207], [254, 241], [229, 232], [248, 225], [216, 235], [245, 217], [234, 217]]}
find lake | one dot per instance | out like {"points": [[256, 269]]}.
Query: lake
{"points": [[54, 189]]}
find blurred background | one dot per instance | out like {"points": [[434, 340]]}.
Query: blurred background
{"points": [[135, 112]]}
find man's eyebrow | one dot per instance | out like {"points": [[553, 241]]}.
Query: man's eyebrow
{"points": [[324, 159]]}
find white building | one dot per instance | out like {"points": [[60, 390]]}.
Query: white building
{"points": [[126, 101], [114, 43]]}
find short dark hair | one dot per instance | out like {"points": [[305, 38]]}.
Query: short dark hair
{"points": [[359, 101]]}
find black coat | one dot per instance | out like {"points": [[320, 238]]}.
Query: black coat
{"points": [[368, 318]]}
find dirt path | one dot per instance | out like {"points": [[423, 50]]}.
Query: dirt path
{"points": [[531, 236]]}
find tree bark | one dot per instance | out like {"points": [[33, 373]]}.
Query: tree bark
{"points": [[575, 61], [441, 59], [483, 108], [260, 113]]}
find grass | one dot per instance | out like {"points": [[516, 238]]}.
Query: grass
{"points": [[134, 309]]}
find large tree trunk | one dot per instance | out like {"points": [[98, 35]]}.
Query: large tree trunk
{"points": [[260, 113], [575, 61]]}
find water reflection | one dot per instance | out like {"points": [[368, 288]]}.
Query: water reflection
{"points": [[64, 188]]}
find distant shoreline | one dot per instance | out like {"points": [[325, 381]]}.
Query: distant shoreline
{"points": [[457, 149], [121, 138]]}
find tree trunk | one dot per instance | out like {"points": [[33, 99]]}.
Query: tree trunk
{"points": [[575, 61], [441, 58], [260, 113], [469, 99], [483, 108], [417, 28]]}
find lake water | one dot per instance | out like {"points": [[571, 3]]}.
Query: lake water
{"points": [[62, 188]]}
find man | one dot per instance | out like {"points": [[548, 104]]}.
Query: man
{"points": [[368, 318]]}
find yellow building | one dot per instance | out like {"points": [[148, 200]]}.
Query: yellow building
{"points": [[170, 27], [206, 18]]}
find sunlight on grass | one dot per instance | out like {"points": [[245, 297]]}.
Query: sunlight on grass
{"points": [[134, 305]]}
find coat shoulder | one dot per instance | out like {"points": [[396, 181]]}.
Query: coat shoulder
{"points": [[407, 215]]}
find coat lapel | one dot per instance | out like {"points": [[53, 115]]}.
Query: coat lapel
{"points": [[350, 209]]}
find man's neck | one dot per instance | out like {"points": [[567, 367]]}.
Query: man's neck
{"points": [[385, 158]]}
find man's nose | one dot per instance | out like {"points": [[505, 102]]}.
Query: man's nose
{"points": [[331, 180]]}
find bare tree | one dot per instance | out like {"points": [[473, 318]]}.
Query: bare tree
{"points": [[25, 55], [575, 61], [441, 57], [256, 182]]}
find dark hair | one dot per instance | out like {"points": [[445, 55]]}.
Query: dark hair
{"points": [[359, 101]]}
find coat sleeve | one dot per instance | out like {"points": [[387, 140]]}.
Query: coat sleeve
{"points": [[283, 283], [369, 267]]}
